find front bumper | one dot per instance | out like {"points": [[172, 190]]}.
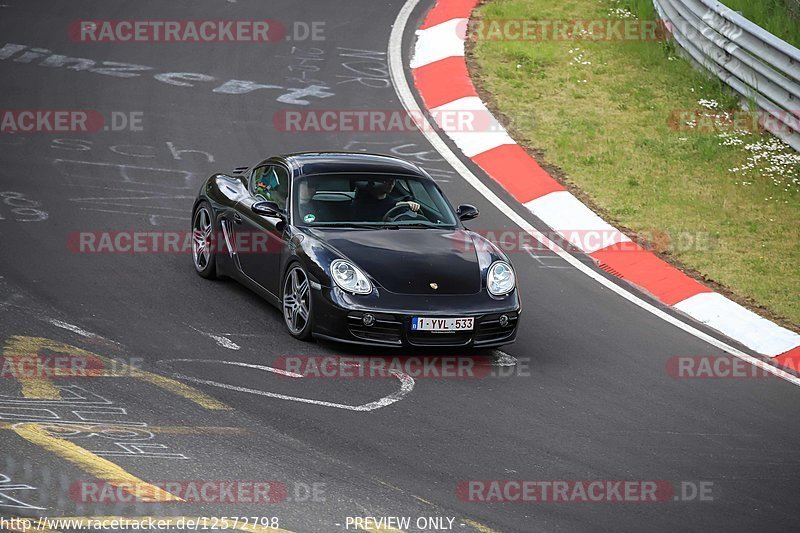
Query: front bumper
{"points": [[339, 316]]}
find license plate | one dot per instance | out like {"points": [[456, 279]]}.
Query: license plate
{"points": [[442, 325]]}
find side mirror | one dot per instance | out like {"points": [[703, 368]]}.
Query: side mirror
{"points": [[267, 209], [466, 212]]}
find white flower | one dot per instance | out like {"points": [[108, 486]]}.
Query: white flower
{"points": [[768, 157]]}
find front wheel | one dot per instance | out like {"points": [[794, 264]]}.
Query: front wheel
{"points": [[297, 302], [205, 261]]}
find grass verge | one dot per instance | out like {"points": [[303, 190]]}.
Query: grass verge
{"points": [[611, 115], [779, 17]]}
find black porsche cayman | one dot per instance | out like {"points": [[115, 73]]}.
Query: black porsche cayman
{"points": [[359, 248]]}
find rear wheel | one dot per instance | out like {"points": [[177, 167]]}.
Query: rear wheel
{"points": [[297, 302], [205, 261]]}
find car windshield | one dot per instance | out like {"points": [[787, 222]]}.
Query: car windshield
{"points": [[369, 201]]}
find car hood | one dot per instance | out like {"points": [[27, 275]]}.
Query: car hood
{"points": [[411, 260]]}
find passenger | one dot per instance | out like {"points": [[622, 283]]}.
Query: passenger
{"points": [[312, 210]]}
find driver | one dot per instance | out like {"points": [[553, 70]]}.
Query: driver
{"points": [[374, 203]]}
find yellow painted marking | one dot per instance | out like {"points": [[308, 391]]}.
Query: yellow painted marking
{"points": [[24, 351], [181, 389], [83, 522], [188, 430], [479, 527], [44, 389], [169, 430], [94, 465], [39, 389], [422, 500]]}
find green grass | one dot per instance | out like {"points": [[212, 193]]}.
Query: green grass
{"points": [[611, 137]]}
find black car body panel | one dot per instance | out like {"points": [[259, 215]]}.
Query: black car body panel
{"points": [[406, 261], [431, 272]]}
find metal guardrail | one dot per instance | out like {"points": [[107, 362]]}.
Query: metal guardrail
{"points": [[756, 64]]}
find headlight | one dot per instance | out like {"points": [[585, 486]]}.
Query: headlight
{"points": [[349, 278], [501, 279]]}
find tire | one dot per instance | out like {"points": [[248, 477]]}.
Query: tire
{"points": [[203, 250], [296, 302]]}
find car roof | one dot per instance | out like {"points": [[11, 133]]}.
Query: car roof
{"points": [[307, 163]]}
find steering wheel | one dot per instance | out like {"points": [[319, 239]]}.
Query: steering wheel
{"points": [[398, 211]]}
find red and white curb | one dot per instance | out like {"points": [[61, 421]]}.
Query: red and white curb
{"points": [[443, 82]]}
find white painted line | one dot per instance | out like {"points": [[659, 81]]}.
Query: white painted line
{"points": [[491, 134], [503, 359], [74, 329], [224, 342], [237, 363], [397, 73], [113, 204], [578, 224], [219, 339], [70, 327], [110, 188], [439, 42], [107, 198], [406, 386], [540, 258], [129, 213], [740, 323]]}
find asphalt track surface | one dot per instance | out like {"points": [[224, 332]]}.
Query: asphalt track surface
{"points": [[589, 399]]}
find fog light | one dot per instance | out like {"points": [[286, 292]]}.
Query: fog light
{"points": [[503, 321], [368, 320]]}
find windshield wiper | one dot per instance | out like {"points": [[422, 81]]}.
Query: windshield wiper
{"points": [[420, 225], [350, 225]]}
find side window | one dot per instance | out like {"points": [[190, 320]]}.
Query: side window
{"points": [[271, 183], [255, 179]]}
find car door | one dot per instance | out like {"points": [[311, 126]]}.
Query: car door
{"points": [[260, 239]]}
